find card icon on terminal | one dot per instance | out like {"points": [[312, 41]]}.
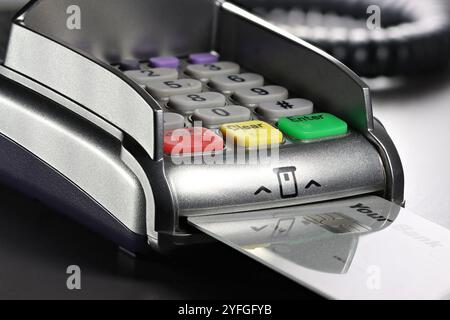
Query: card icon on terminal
{"points": [[287, 181]]}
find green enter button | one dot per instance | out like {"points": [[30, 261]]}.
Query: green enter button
{"points": [[313, 126]]}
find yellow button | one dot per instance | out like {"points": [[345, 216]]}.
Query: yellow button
{"points": [[252, 133]]}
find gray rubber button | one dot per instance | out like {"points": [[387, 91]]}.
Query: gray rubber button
{"points": [[285, 108], [164, 89], [190, 102], [142, 77], [253, 96], [173, 121], [207, 71], [231, 83], [219, 116]]}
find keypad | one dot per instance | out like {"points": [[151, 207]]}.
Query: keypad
{"points": [[209, 70], [207, 101]]}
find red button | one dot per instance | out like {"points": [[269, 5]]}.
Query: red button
{"points": [[191, 140]]}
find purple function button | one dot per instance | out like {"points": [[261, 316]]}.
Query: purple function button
{"points": [[164, 62], [130, 64], [202, 58]]}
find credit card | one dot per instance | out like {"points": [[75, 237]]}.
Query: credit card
{"points": [[358, 248]]}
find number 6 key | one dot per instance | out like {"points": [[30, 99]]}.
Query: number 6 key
{"points": [[231, 83]]}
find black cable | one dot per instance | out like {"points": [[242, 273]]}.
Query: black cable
{"points": [[414, 37]]}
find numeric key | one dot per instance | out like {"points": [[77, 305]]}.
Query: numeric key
{"points": [[173, 121], [165, 89], [142, 77], [231, 83], [218, 116], [254, 96], [209, 70], [190, 102]]}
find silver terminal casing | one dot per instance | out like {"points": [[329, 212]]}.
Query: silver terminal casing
{"points": [[74, 69]]}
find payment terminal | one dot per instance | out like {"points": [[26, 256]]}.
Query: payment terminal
{"points": [[165, 124]]}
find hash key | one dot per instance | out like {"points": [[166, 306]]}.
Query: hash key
{"points": [[285, 108]]}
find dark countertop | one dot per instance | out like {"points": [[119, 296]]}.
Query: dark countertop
{"points": [[37, 246]]}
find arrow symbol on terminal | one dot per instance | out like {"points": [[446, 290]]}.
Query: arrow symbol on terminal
{"points": [[259, 229], [262, 189], [313, 183]]}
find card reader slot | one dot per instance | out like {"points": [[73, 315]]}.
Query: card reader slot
{"points": [[313, 172]]}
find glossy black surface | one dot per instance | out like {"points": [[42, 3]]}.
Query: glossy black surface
{"points": [[37, 245]]}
